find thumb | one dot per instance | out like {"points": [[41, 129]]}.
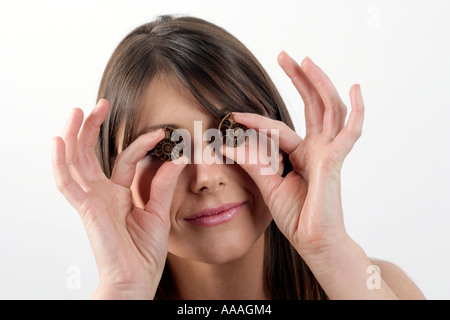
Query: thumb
{"points": [[163, 187], [261, 168]]}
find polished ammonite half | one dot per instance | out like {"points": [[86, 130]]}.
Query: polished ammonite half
{"points": [[167, 147], [233, 133]]}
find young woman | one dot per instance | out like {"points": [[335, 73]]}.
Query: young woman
{"points": [[197, 230]]}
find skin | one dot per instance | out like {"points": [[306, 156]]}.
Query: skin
{"points": [[135, 220], [204, 252]]}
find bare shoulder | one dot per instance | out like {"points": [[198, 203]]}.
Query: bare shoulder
{"points": [[399, 282]]}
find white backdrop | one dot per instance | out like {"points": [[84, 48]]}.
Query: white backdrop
{"points": [[395, 181]]}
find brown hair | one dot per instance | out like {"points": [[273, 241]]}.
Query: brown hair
{"points": [[219, 71]]}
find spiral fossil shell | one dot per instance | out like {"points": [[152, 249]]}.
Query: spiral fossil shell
{"points": [[166, 147], [233, 133]]}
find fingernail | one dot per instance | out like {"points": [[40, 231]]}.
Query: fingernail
{"points": [[156, 132], [98, 104], [309, 58]]}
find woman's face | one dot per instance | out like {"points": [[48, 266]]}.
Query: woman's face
{"points": [[197, 235]]}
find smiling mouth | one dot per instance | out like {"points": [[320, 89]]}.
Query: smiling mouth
{"points": [[215, 216]]}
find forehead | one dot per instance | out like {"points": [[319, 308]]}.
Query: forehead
{"points": [[168, 101]]}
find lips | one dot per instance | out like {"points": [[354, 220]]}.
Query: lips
{"points": [[215, 216]]}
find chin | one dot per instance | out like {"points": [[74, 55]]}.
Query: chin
{"points": [[224, 253], [221, 244]]}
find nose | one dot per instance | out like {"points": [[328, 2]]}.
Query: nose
{"points": [[207, 178], [204, 176]]}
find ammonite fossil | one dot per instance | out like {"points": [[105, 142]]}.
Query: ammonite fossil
{"points": [[233, 133], [167, 147]]}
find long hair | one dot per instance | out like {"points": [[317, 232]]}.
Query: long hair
{"points": [[224, 76]]}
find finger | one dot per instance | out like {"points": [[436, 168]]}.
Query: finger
{"points": [[70, 134], [264, 171], [163, 186], [335, 109], [289, 140], [125, 166], [352, 131], [70, 137], [87, 140], [314, 108], [64, 181]]}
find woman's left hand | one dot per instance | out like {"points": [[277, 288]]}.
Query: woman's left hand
{"points": [[306, 204]]}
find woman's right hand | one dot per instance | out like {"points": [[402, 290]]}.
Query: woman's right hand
{"points": [[129, 243]]}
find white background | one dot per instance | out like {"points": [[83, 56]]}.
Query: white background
{"points": [[395, 181]]}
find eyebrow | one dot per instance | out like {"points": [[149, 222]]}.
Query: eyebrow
{"points": [[158, 126]]}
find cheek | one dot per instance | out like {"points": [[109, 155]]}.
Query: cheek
{"points": [[225, 242], [260, 216]]}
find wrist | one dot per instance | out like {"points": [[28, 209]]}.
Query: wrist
{"points": [[344, 272], [124, 292]]}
